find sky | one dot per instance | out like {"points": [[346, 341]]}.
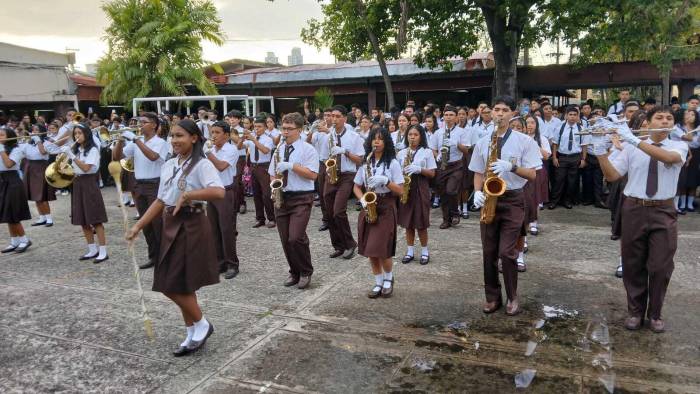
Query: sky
{"points": [[254, 27]]}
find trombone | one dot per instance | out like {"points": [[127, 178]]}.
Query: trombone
{"points": [[114, 135]]}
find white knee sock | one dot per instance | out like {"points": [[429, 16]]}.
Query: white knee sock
{"points": [[48, 218], [409, 250], [41, 219], [424, 251], [103, 252], [675, 201], [379, 279], [23, 239], [388, 276], [200, 329], [691, 200], [465, 207], [681, 201], [92, 249], [521, 257], [190, 332], [14, 241]]}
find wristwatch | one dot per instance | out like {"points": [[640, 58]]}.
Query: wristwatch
{"points": [[514, 168]]}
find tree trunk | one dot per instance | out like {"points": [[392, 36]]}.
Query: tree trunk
{"points": [[665, 86], [378, 53], [505, 43]]}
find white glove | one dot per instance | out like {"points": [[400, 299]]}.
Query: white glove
{"points": [[412, 169], [128, 135], [501, 167], [36, 139], [68, 152], [377, 181], [600, 145], [338, 150], [626, 134], [206, 149], [363, 203], [400, 146], [284, 166], [479, 199]]}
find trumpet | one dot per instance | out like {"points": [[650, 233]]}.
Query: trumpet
{"points": [[115, 135], [26, 137]]}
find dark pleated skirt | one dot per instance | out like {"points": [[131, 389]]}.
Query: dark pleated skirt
{"points": [[128, 180], [378, 239], [530, 191], [187, 254], [690, 173], [415, 213], [542, 186], [87, 205], [615, 200], [35, 184], [468, 179], [13, 198]]}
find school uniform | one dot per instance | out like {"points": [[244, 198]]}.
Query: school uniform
{"points": [[298, 197], [415, 213], [260, 162], [240, 168], [379, 239], [146, 179], [204, 126], [13, 195], [319, 141], [187, 259], [569, 152], [337, 195], [592, 180], [499, 238], [542, 180], [649, 228], [399, 137], [449, 179], [36, 187], [87, 205], [689, 177]]}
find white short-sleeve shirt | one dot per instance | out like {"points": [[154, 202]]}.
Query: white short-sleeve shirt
{"points": [[635, 163], [305, 155], [393, 172], [551, 128], [92, 158], [319, 140], [422, 157], [32, 152], [518, 148], [229, 154], [562, 135], [16, 156], [144, 168], [203, 175], [265, 141], [353, 143], [457, 136]]}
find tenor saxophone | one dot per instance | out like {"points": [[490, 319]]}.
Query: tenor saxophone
{"points": [[277, 184], [445, 149], [406, 178], [332, 162], [494, 186], [369, 199]]}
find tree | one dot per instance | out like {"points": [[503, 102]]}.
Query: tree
{"points": [[154, 48]]}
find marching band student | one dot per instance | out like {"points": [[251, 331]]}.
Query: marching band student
{"points": [[431, 126], [619, 106], [399, 135], [203, 122], [260, 146], [13, 198], [187, 259], [37, 189], [319, 140], [235, 118], [518, 160], [517, 124], [271, 129], [298, 169], [148, 154], [348, 152], [223, 213], [649, 226], [568, 155], [414, 215], [449, 179], [415, 119], [689, 179], [532, 127], [377, 241], [363, 128], [87, 206]]}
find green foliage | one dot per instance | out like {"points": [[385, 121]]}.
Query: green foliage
{"points": [[154, 48], [323, 98]]}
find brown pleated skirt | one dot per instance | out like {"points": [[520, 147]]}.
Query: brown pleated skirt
{"points": [[415, 213], [223, 216], [468, 180], [35, 184], [87, 205], [449, 180], [531, 208], [187, 253], [128, 180], [542, 186], [13, 198], [378, 239]]}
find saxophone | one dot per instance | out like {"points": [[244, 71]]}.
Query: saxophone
{"points": [[493, 185], [370, 197], [445, 149], [406, 178], [332, 162], [277, 184]]}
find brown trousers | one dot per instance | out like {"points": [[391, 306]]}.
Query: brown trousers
{"points": [[649, 240], [261, 193], [498, 240], [239, 197], [336, 199], [321, 187], [146, 193], [449, 184], [223, 216], [292, 219]]}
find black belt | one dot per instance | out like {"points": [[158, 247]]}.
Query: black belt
{"points": [[295, 193], [149, 180], [513, 192], [194, 208], [568, 155], [230, 187], [40, 161], [260, 164]]}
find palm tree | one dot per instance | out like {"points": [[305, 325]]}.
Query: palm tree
{"points": [[154, 48]]}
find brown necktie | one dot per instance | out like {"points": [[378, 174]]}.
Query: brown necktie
{"points": [[653, 175]]}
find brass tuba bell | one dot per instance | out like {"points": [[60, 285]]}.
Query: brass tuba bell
{"points": [[59, 174]]}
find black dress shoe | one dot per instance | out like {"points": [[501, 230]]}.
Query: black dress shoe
{"points": [[242, 209], [465, 215], [350, 253], [323, 227], [375, 292], [336, 253], [568, 205], [196, 345], [614, 237], [38, 223], [98, 261], [231, 273], [22, 249], [601, 205], [8, 249], [49, 224], [407, 259], [182, 351], [551, 206], [291, 281], [147, 264], [258, 224], [86, 257], [586, 203]]}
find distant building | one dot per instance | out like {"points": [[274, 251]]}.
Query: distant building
{"points": [[271, 58], [295, 59], [91, 68]]}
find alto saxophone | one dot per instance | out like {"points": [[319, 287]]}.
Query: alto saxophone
{"points": [[406, 178], [277, 184], [494, 186], [332, 162], [445, 149], [369, 199]]}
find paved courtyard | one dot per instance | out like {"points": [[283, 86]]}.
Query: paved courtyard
{"points": [[71, 326]]}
